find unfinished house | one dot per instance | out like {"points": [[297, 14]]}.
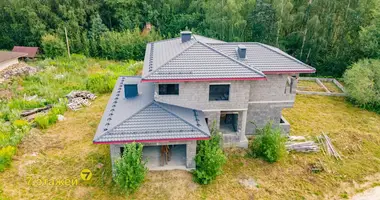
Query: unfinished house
{"points": [[191, 83]]}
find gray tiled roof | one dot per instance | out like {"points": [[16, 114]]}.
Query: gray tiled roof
{"points": [[264, 57], [204, 58], [143, 119], [200, 61]]}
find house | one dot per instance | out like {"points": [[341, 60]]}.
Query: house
{"points": [[8, 58], [30, 51], [190, 83]]}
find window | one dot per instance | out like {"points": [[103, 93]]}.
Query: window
{"points": [[121, 151], [168, 89], [219, 92]]}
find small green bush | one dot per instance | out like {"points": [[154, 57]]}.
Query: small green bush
{"points": [[362, 83], [101, 83], [130, 169], [42, 121], [20, 123], [269, 144], [6, 154], [209, 159], [52, 46]]}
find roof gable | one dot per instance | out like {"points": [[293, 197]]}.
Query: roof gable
{"points": [[200, 61]]}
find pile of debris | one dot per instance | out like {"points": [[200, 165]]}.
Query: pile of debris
{"points": [[78, 99], [299, 144], [19, 69], [328, 147]]}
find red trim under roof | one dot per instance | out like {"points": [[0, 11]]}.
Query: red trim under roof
{"points": [[151, 141], [290, 72], [203, 79]]}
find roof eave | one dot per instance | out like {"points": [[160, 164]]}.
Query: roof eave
{"points": [[290, 72], [203, 79], [152, 141]]}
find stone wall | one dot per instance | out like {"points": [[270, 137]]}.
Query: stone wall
{"points": [[196, 95], [257, 101], [275, 88]]}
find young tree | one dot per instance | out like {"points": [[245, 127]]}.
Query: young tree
{"points": [[209, 159], [53, 46], [130, 169], [269, 144]]}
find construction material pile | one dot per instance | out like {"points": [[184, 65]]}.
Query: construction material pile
{"points": [[299, 144], [19, 69], [78, 99], [328, 147]]}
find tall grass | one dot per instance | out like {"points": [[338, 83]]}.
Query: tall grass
{"points": [[56, 78]]}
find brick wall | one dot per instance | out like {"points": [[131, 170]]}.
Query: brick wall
{"points": [[261, 100]]}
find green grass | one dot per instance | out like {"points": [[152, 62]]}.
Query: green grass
{"points": [[66, 148], [312, 86], [56, 78]]}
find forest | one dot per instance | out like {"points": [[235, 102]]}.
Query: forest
{"points": [[328, 35]]}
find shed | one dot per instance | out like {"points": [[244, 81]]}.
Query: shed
{"points": [[31, 51]]}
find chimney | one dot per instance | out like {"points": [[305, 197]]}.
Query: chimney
{"points": [[130, 91], [242, 51], [185, 36]]}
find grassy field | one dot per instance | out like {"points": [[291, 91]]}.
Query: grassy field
{"points": [[54, 79], [332, 87], [63, 150], [312, 86]]}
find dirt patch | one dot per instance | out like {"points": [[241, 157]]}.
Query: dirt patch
{"points": [[370, 194]]}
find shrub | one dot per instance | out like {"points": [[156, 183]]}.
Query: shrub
{"points": [[130, 169], [269, 144], [52, 46], [101, 83], [124, 45], [42, 121], [20, 123], [362, 83], [209, 159], [6, 154]]}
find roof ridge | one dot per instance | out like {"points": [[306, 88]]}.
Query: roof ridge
{"points": [[158, 103], [178, 54], [105, 132], [285, 55], [237, 61]]}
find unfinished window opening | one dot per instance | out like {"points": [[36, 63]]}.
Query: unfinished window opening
{"points": [[229, 122], [168, 89], [121, 151], [219, 92]]}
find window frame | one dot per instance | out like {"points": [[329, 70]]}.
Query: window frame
{"points": [[219, 84], [176, 90]]}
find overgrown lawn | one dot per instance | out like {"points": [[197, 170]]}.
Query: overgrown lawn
{"points": [[64, 149]]}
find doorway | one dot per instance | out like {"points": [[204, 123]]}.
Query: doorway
{"points": [[229, 122]]}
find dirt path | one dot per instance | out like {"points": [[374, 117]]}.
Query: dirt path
{"points": [[370, 194]]}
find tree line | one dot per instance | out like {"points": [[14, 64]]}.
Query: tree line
{"points": [[328, 35]]}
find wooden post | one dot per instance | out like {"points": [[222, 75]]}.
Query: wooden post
{"points": [[67, 43]]}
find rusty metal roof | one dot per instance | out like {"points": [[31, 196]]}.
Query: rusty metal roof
{"points": [[31, 51], [8, 55]]}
